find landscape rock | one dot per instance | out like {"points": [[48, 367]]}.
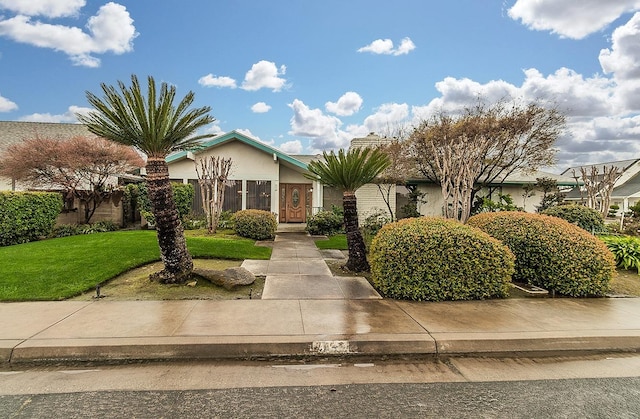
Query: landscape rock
{"points": [[230, 278]]}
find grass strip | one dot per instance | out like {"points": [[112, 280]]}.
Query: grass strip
{"points": [[56, 269], [338, 241]]}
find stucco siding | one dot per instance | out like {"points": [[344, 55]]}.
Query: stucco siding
{"points": [[288, 175], [517, 193], [432, 201], [247, 163]]}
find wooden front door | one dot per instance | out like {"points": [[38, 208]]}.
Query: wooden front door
{"points": [[295, 203]]}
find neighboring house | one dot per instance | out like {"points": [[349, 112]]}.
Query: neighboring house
{"points": [[626, 190], [370, 199], [13, 132], [261, 177]]}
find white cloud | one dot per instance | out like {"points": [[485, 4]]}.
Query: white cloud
{"points": [[386, 117], [571, 92], [379, 46], [385, 46], [69, 116], [247, 132], [599, 140], [213, 81], [110, 30], [6, 105], [570, 18], [322, 129], [325, 131], [260, 107], [406, 46], [599, 127], [214, 129], [73, 110], [459, 93], [291, 147], [348, 104], [48, 8], [265, 74], [622, 60]]}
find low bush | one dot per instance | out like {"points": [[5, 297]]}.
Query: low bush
{"points": [[104, 226], [436, 259], [66, 230], [584, 217], [372, 224], [552, 253], [255, 224], [194, 222], [625, 249], [226, 220], [27, 216], [325, 223]]}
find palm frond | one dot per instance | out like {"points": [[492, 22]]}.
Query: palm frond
{"points": [[351, 170], [153, 124]]}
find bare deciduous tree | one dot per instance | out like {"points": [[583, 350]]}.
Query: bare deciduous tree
{"points": [[482, 146], [213, 176], [598, 187]]}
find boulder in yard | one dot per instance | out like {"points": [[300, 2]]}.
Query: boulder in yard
{"points": [[230, 278]]}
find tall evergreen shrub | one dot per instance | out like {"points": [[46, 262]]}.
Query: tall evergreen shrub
{"points": [[27, 216]]}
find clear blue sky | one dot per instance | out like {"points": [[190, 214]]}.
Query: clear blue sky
{"points": [[307, 75]]}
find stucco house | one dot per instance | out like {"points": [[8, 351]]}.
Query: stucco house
{"points": [[261, 177], [626, 190], [370, 199]]}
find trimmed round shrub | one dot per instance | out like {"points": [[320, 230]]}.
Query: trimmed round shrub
{"points": [[436, 259], [325, 223], [552, 253], [584, 217], [255, 224]]}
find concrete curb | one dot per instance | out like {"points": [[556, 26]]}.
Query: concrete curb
{"points": [[295, 347]]}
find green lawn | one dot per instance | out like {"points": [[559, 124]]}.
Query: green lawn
{"points": [[56, 269], [338, 241]]}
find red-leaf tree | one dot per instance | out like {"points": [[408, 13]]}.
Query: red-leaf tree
{"points": [[82, 167]]}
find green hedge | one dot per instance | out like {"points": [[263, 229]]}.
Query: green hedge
{"points": [[325, 223], [183, 194], [27, 216], [437, 259], [552, 253], [255, 224], [584, 217]]}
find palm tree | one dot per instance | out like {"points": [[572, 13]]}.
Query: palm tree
{"points": [[348, 172], [155, 126]]}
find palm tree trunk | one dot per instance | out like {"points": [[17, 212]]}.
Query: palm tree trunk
{"points": [[357, 261], [173, 247]]}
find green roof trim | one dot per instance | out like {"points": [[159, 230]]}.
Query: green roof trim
{"points": [[235, 135]]}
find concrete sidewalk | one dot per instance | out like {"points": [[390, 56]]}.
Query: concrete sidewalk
{"points": [[312, 326]]}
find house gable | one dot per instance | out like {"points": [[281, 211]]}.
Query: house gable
{"points": [[236, 136], [627, 185]]}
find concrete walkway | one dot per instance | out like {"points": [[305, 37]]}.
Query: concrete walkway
{"points": [[294, 323], [297, 271]]}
